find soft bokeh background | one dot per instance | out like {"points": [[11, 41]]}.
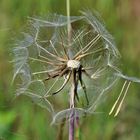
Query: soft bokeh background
{"points": [[20, 119]]}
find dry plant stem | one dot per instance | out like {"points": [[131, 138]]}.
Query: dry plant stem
{"points": [[69, 29], [77, 136], [72, 103], [68, 21], [72, 120], [71, 126]]}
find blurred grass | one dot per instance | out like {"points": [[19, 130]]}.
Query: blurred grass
{"points": [[22, 120]]}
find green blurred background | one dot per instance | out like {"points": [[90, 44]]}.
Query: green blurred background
{"points": [[20, 119]]}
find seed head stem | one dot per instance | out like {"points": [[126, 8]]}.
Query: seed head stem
{"points": [[69, 29], [68, 20], [72, 120]]}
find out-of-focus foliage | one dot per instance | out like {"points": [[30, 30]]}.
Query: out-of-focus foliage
{"points": [[20, 119]]}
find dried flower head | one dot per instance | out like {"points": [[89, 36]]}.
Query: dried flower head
{"points": [[48, 65]]}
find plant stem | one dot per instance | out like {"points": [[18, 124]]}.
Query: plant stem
{"points": [[72, 104], [68, 20], [72, 118], [77, 135], [71, 126], [69, 29]]}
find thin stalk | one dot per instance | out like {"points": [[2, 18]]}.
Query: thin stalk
{"points": [[69, 29], [72, 105], [68, 20], [77, 135], [71, 126], [72, 92]]}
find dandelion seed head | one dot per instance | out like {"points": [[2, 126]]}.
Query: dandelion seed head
{"points": [[46, 63]]}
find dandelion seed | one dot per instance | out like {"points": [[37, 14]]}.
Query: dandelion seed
{"points": [[118, 98], [118, 109]]}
